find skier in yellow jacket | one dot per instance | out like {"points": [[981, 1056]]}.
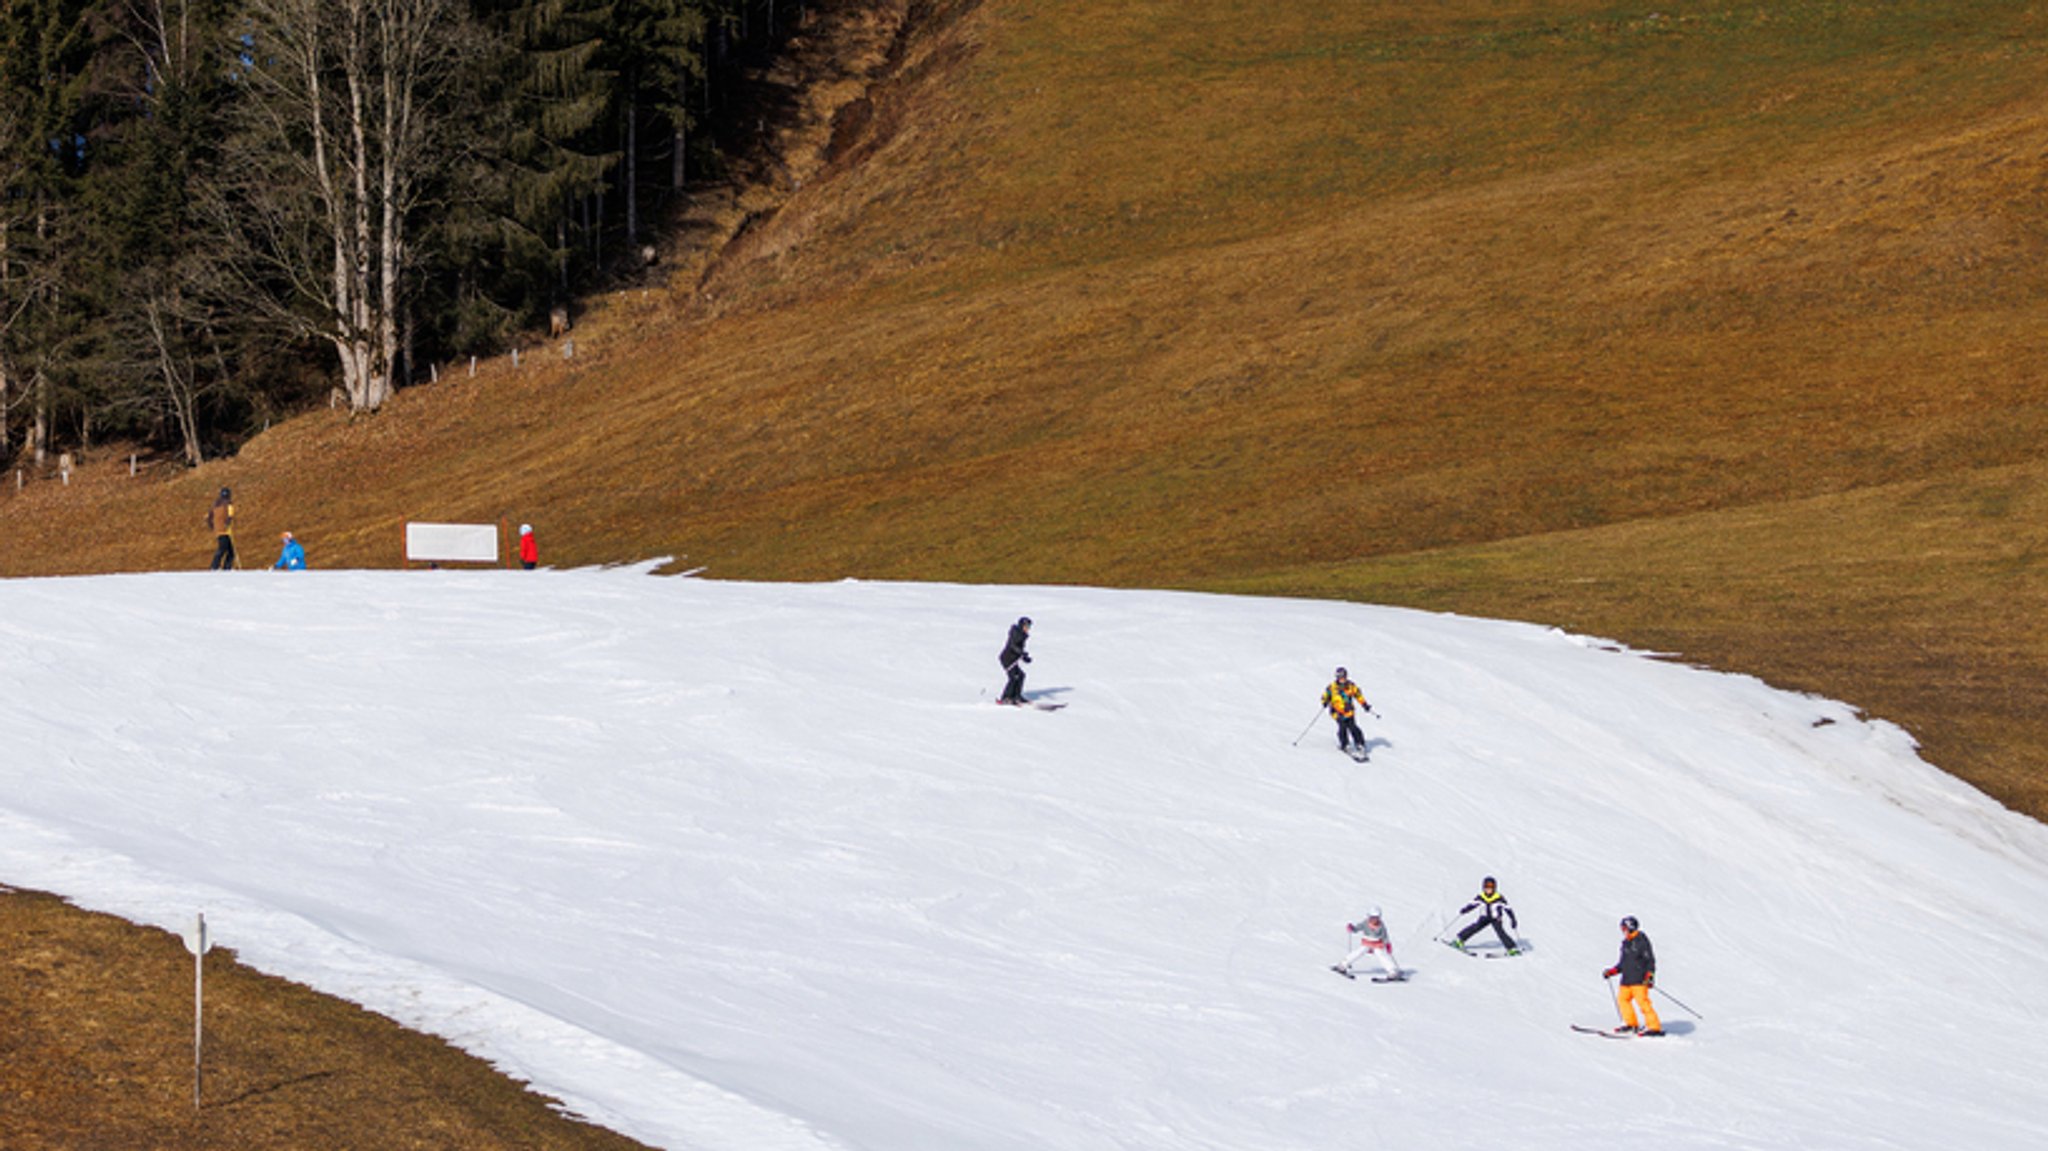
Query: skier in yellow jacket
{"points": [[1343, 698]]}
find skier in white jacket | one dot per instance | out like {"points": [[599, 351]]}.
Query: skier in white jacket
{"points": [[1371, 933]]}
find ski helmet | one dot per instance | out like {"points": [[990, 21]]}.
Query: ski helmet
{"points": [[1488, 882], [1341, 673], [1628, 923], [224, 493], [1023, 621], [1372, 915]]}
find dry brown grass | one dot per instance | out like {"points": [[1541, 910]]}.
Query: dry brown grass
{"points": [[1712, 327], [96, 1052]]}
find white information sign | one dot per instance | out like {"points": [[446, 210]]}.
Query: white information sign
{"points": [[451, 543]]}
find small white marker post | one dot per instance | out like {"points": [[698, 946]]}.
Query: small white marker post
{"points": [[198, 944]]}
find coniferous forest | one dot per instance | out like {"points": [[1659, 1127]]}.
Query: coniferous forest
{"points": [[213, 212]]}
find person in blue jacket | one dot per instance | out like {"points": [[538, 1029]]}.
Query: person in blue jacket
{"points": [[292, 558]]}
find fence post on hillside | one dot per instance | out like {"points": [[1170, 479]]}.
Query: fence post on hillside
{"points": [[472, 367], [515, 359], [198, 944]]}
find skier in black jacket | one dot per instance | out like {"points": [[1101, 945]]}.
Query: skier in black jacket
{"points": [[1014, 658], [1492, 907], [1638, 970]]}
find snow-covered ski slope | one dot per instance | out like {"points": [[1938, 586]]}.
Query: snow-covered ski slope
{"points": [[740, 866]]}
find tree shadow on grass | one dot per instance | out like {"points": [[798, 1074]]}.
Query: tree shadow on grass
{"points": [[270, 1089]]}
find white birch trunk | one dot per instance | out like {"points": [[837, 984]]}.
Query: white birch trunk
{"points": [[366, 145], [6, 398], [632, 171], [39, 386], [679, 163], [39, 421], [177, 385]]}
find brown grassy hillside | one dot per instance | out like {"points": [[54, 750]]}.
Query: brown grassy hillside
{"points": [[1711, 326]]}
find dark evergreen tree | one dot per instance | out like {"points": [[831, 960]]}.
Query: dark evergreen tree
{"points": [[558, 155], [175, 349], [656, 54], [45, 89]]}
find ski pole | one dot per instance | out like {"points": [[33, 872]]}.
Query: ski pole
{"points": [[1680, 1002], [1615, 995], [1309, 728]]}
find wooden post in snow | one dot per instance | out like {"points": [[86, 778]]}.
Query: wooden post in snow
{"points": [[198, 944]]}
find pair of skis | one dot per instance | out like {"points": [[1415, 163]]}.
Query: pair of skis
{"points": [[1486, 952], [1616, 1032], [1352, 975], [1027, 701]]}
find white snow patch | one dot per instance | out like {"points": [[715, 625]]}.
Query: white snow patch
{"points": [[752, 866]]}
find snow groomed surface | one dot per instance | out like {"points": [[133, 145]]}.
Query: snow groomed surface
{"points": [[760, 866]]}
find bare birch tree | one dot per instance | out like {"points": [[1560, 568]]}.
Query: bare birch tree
{"points": [[337, 151], [10, 163], [27, 285]]}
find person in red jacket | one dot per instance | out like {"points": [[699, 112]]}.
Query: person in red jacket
{"points": [[529, 551]]}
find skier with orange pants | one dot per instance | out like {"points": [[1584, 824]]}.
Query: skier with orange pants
{"points": [[1638, 970]]}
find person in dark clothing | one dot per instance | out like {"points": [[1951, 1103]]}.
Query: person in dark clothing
{"points": [[1014, 658], [1492, 907], [1638, 970], [221, 519]]}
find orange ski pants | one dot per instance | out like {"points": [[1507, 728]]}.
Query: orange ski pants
{"points": [[1638, 996]]}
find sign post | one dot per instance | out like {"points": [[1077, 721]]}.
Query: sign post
{"points": [[198, 944]]}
